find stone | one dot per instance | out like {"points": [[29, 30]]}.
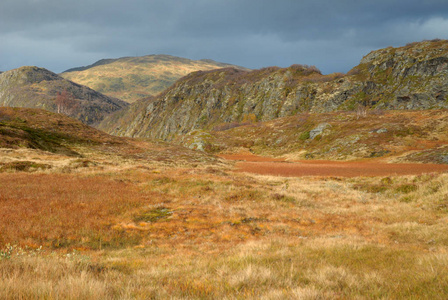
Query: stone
{"points": [[381, 130], [319, 130]]}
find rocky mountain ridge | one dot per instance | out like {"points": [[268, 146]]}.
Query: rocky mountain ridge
{"points": [[35, 87], [410, 77]]}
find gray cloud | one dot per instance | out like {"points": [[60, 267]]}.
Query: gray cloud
{"points": [[333, 35]]}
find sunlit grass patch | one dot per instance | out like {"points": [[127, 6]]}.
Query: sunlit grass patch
{"points": [[153, 215]]}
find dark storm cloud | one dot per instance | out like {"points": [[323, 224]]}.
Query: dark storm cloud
{"points": [[331, 34]]}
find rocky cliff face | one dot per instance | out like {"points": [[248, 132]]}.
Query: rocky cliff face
{"points": [[39, 88], [410, 77]]}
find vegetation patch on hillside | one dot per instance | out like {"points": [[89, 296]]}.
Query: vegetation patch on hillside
{"points": [[394, 135]]}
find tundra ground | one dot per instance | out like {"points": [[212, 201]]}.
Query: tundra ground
{"points": [[209, 232], [85, 215]]}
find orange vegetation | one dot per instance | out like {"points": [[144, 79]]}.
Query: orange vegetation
{"points": [[249, 157], [98, 211], [279, 167], [340, 169], [237, 235], [63, 210]]}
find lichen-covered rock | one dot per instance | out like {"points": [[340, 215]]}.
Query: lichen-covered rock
{"points": [[319, 130], [197, 140]]}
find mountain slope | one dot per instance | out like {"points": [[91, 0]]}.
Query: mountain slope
{"points": [[410, 77], [41, 133], [39, 88], [44, 130], [132, 78], [403, 135]]}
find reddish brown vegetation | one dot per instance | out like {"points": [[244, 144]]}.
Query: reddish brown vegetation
{"points": [[277, 166], [63, 210], [340, 169], [65, 103], [249, 157], [96, 212]]}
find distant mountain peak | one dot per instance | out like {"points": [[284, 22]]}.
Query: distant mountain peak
{"points": [[32, 74], [35, 87], [98, 63], [133, 78]]}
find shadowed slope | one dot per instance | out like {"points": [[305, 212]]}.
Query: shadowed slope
{"points": [[25, 129], [39, 88]]}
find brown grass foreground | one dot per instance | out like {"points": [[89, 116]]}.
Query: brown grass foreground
{"points": [[204, 233]]}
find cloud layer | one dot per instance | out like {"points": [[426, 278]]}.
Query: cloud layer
{"points": [[333, 35]]}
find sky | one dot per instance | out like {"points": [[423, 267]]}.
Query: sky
{"points": [[332, 35]]}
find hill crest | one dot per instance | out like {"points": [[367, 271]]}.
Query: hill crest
{"points": [[133, 78], [35, 87]]}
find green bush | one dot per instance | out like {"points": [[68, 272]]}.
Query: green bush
{"points": [[304, 136]]}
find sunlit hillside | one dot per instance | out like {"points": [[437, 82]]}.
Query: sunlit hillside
{"points": [[131, 78]]}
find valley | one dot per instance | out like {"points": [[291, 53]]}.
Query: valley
{"points": [[230, 184]]}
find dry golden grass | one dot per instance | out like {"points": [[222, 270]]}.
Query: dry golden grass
{"points": [[264, 269], [188, 233]]}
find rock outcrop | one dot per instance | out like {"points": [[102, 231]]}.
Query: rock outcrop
{"points": [[410, 77], [319, 130]]}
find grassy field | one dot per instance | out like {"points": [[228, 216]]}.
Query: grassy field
{"points": [[208, 233], [84, 215]]}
